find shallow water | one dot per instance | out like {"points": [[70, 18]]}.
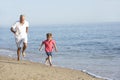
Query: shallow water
{"points": [[91, 47]]}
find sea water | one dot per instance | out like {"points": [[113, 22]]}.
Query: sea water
{"points": [[93, 48]]}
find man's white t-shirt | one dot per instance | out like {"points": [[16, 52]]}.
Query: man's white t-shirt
{"points": [[20, 29]]}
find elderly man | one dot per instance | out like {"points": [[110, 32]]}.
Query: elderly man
{"points": [[20, 30]]}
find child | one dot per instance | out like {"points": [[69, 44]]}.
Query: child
{"points": [[49, 45]]}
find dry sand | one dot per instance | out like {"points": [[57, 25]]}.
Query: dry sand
{"points": [[10, 69]]}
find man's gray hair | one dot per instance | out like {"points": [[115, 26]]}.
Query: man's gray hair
{"points": [[22, 15]]}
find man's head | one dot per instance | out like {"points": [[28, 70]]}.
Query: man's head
{"points": [[49, 36], [22, 18]]}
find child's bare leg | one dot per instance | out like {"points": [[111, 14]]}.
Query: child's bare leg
{"points": [[46, 61], [50, 60]]}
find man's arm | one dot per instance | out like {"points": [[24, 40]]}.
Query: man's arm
{"points": [[12, 30], [27, 30]]}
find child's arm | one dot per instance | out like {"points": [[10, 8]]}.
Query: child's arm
{"points": [[40, 47], [55, 48]]}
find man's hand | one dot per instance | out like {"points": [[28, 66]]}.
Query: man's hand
{"points": [[13, 31]]}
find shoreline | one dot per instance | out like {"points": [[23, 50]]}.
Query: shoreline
{"points": [[15, 68]]}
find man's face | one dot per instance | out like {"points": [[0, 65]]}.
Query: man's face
{"points": [[22, 19]]}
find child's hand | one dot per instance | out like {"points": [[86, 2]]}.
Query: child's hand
{"points": [[39, 49], [56, 50]]}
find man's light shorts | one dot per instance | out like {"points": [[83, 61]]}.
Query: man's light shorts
{"points": [[20, 41]]}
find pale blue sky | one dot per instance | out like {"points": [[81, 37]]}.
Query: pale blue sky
{"points": [[40, 12]]}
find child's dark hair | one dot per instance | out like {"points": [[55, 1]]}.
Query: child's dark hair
{"points": [[49, 35]]}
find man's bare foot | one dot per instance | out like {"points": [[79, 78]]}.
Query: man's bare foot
{"points": [[18, 59], [23, 54]]}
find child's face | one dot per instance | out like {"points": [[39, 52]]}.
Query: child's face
{"points": [[49, 38]]}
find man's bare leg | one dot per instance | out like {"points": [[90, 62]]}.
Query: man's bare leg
{"points": [[18, 53], [24, 48]]}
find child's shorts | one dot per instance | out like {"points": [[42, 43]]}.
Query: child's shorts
{"points": [[49, 53]]}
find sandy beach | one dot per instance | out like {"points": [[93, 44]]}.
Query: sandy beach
{"points": [[10, 69]]}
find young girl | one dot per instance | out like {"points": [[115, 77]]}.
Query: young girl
{"points": [[49, 46]]}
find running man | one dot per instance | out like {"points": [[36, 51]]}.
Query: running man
{"points": [[20, 30]]}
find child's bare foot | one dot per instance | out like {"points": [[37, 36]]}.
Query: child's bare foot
{"points": [[50, 64], [46, 63]]}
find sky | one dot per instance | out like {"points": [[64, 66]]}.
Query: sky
{"points": [[45, 12]]}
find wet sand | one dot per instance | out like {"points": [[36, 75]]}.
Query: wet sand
{"points": [[11, 69]]}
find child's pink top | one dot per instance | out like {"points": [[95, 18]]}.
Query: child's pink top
{"points": [[49, 45]]}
